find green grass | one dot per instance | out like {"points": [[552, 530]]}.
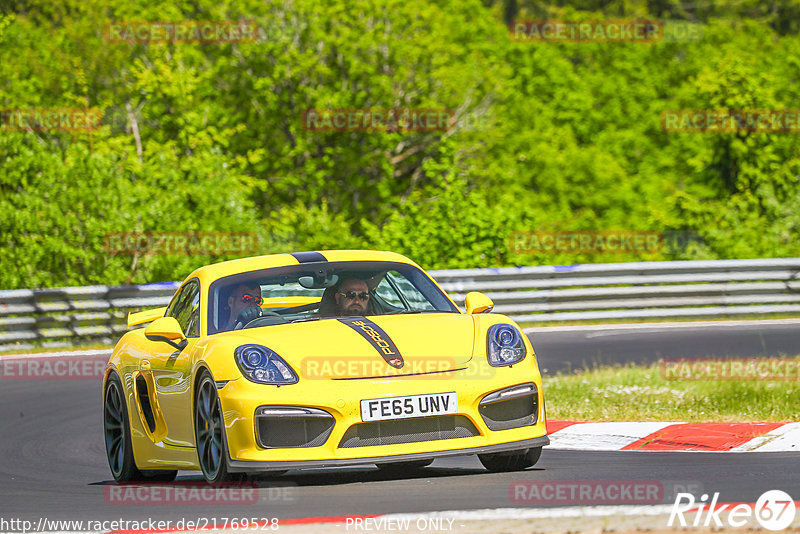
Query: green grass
{"points": [[640, 393]]}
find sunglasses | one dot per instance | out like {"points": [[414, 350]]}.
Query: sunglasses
{"points": [[250, 299], [350, 295]]}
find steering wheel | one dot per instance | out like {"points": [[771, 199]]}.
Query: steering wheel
{"points": [[265, 314], [240, 321]]}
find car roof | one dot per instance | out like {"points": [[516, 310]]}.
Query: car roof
{"points": [[209, 273]]}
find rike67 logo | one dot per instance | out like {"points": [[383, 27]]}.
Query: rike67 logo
{"points": [[774, 510]]}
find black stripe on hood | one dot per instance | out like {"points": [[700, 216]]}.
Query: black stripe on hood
{"points": [[376, 337]]}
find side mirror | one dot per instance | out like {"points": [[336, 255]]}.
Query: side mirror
{"points": [[477, 302], [168, 330]]}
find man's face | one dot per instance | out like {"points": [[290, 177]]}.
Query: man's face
{"points": [[352, 297], [244, 297]]}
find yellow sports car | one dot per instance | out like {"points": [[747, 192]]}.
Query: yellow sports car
{"points": [[318, 359]]}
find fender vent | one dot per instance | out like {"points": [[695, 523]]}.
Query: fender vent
{"points": [[144, 401]]}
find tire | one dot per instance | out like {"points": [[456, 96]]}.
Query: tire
{"points": [[117, 432], [399, 467], [209, 432], [514, 461]]}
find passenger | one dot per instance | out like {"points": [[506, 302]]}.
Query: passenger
{"points": [[352, 297]]}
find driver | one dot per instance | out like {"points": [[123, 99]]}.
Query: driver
{"points": [[245, 300]]}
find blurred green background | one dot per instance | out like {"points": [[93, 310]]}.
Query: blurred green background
{"points": [[550, 137]]}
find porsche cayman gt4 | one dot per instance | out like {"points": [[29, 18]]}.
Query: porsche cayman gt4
{"points": [[317, 359]]}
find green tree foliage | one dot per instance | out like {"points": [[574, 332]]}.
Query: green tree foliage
{"points": [[547, 136]]}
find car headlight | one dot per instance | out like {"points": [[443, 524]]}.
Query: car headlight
{"points": [[504, 345], [260, 364]]}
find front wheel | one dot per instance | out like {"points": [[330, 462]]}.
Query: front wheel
{"points": [[510, 461], [209, 432]]}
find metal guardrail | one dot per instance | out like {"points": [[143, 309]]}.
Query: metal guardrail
{"points": [[61, 316], [669, 289], [549, 294]]}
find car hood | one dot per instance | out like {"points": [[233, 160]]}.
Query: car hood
{"points": [[362, 347]]}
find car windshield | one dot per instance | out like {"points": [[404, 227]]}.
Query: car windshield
{"points": [[308, 291]]}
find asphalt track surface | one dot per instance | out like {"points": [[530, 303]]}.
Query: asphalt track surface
{"points": [[560, 349], [53, 463]]}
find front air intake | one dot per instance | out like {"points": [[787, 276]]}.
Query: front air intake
{"points": [[512, 407], [280, 427], [412, 430]]}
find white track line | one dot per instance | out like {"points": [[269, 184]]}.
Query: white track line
{"points": [[602, 436], [784, 438], [494, 514]]}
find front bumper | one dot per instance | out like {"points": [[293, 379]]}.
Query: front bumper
{"points": [[241, 400], [236, 466]]}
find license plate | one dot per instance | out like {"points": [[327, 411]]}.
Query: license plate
{"points": [[410, 406]]}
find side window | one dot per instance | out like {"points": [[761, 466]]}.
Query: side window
{"points": [[416, 300], [176, 301], [185, 308], [387, 293], [193, 329], [398, 291]]}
